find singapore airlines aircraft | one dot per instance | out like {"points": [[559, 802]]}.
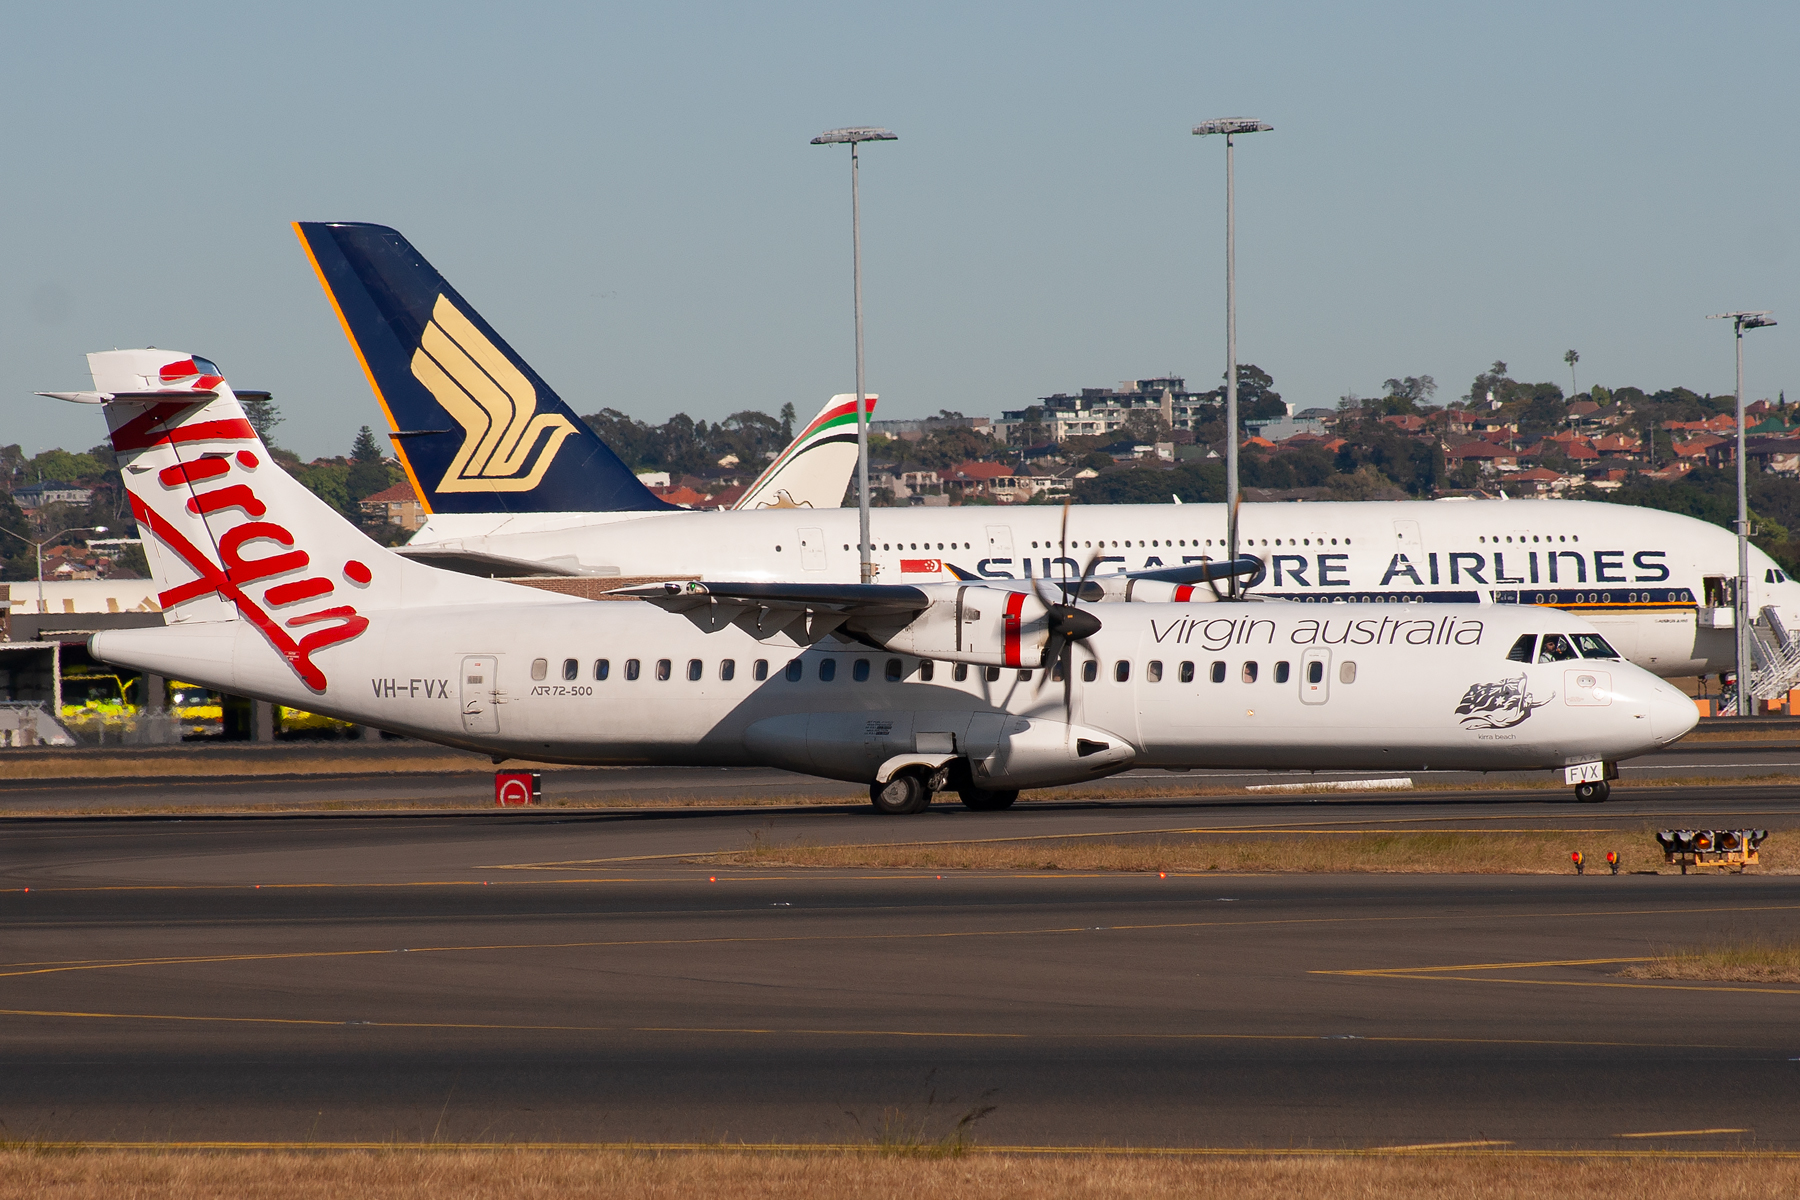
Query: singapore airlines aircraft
{"points": [[1656, 584], [269, 593]]}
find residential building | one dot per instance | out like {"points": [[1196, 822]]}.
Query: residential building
{"points": [[397, 505], [913, 431], [1097, 412], [36, 495]]}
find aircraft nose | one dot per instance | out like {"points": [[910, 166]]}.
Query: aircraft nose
{"points": [[1672, 714]]}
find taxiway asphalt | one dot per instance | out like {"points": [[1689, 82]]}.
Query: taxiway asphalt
{"points": [[538, 976]]}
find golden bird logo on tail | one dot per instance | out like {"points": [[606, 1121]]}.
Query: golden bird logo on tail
{"points": [[507, 444]]}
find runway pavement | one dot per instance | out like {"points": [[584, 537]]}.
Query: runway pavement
{"points": [[160, 789], [514, 976]]}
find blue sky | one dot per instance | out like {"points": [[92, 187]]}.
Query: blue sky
{"points": [[627, 194]]}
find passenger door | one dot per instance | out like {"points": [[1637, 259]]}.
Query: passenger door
{"points": [[1315, 675], [999, 541], [480, 694], [812, 549]]}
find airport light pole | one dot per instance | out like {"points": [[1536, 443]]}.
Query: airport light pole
{"points": [[1231, 127], [1740, 616], [38, 548], [853, 137]]}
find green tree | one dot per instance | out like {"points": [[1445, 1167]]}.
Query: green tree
{"points": [[262, 414], [367, 473], [787, 422]]}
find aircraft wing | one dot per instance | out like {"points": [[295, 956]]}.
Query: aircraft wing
{"points": [[1097, 588], [805, 612], [479, 563]]}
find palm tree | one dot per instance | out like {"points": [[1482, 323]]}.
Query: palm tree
{"points": [[1571, 357]]}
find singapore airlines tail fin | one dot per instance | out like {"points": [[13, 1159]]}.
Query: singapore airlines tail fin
{"points": [[232, 539], [815, 469], [477, 429]]}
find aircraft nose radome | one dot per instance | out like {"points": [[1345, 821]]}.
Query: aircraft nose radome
{"points": [[1672, 714]]}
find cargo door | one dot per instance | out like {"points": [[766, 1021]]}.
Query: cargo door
{"points": [[812, 549], [1315, 675], [481, 694]]}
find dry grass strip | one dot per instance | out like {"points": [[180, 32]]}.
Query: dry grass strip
{"points": [[453, 1174], [1544, 852], [1737, 960]]}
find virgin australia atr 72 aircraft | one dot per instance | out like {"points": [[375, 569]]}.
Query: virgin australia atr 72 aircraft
{"points": [[269, 593], [1656, 584]]}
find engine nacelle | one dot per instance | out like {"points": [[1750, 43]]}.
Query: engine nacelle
{"points": [[1003, 750], [983, 626]]}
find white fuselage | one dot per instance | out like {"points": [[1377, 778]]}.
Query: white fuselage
{"points": [[1651, 581], [1410, 686]]}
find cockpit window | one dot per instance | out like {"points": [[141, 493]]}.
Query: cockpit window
{"points": [[1592, 645], [1556, 649], [1521, 649]]}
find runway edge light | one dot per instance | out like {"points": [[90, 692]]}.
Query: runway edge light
{"points": [[1580, 862]]}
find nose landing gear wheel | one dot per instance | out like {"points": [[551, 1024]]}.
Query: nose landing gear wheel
{"points": [[1592, 793], [983, 800], [906, 793]]}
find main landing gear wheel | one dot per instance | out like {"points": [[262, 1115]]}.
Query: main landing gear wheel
{"points": [[983, 800], [1593, 793], [906, 793]]}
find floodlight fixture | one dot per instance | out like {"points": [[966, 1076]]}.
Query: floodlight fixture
{"points": [[853, 136], [1231, 125], [1741, 320]]}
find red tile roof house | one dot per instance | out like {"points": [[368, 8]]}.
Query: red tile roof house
{"points": [[1699, 448], [1537, 480], [397, 505], [1490, 456], [997, 480], [1581, 452]]}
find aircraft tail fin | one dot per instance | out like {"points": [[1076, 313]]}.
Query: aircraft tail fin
{"points": [[477, 429], [229, 535], [815, 469]]}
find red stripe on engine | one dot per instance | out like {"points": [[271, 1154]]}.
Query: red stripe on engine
{"points": [[1015, 605]]}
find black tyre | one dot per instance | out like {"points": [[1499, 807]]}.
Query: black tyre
{"points": [[983, 800], [900, 796], [1593, 793]]}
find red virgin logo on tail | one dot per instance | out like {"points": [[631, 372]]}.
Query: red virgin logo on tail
{"points": [[244, 558]]}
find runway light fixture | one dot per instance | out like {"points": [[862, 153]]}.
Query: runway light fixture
{"points": [[1731, 848], [1580, 862], [1612, 860]]}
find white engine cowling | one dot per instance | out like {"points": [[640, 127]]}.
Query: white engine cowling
{"points": [[1004, 751], [980, 625]]}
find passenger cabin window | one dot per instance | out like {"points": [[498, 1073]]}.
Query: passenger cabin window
{"points": [[793, 670], [1248, 674], [892, 671], [1056, 671], [1090, 671], [1347, 673], [927, 669], [1122, 670], [571, 668], [696, 669], [993, 674], [1281, 672], [1153, 672], [602, 668], [1315, 671], [860, 672], [961, 674], [664, 669], [631, 668], [540, 669], [1187, 672], [1217, 672], [1556, 648], [1521, 649], [760, 671], [727, 668], [827, 670], [1592, 645]]}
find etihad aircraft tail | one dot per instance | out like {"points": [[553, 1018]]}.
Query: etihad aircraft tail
{"points": [[477, 429], [815, 468]]}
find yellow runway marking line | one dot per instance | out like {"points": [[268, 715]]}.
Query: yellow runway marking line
{"points": [[1680, 1133], [1446, 1145], [909, 1034], [1438, 974], [1451, 1150], [13, 970]]}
